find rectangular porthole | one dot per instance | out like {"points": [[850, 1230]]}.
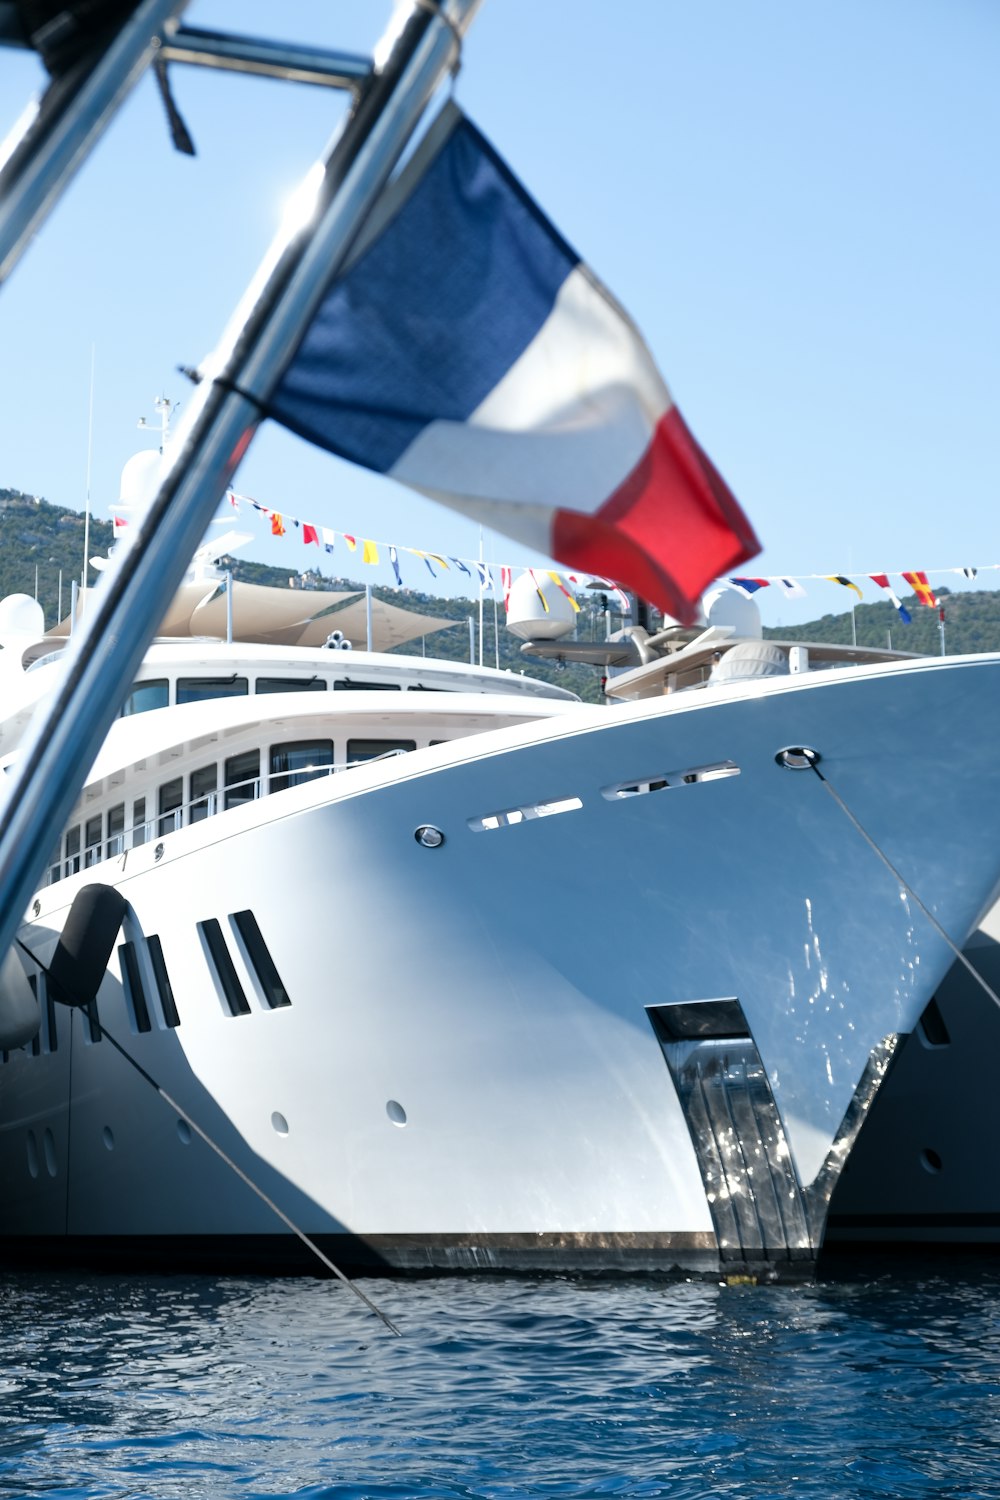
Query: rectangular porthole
{"points": [[36, 1040], [50, 1037], [92, 841], [171, 803], [298, 761], [509, 816], [361, 750], [138, 822], [91, 1027], [116, 831], [666, 780], [47, 1040], [135, 994], [164, 990], [259, 958], [242, 778], [221, 961]]}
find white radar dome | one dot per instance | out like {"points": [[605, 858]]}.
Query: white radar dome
{"points": [[21, 615], [527, 616], [729, 607], [140, 477]]}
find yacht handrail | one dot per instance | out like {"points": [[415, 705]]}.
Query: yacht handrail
{"points": [[160, 824]]}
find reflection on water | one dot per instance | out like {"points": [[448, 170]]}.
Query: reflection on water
{"points": [[500, 1388]]}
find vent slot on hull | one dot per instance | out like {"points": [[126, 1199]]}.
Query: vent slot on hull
{"points": [[135, 994], [259, 958], [162, 979], [664, 781], [221, 963]]}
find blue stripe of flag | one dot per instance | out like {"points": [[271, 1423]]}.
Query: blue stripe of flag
{"points": [[433, 314]]}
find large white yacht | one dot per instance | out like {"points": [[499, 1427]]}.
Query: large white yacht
{"points": [[466, 974]]}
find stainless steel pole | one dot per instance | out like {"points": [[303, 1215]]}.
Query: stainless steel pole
{"points": [[57, 133], [133, 595]]}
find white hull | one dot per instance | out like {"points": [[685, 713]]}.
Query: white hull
{"points": [[496, 988]]}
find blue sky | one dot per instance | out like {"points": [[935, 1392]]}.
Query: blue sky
{"points": [[798, 203]]}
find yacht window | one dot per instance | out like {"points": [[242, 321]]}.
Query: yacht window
{"points": [[145, 696], [36, 1040], [298, 761], [50, 1032], [135, 994], [242, 778], [93, 1032], [171, 797], [198, 689], [260, 959], [353, 686], [92, 841], [73, 850], [138, 822], [55, 864], [116, 830], [221, 961], [290, 685], [167, 1006], [359, 750], [204, 782]]}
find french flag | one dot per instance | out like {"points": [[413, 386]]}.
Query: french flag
{"points": [[466, 351]]}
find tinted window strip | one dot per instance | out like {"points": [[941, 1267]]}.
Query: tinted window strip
{"points": [[135, 995], [162, 978], [50, 1016], [225, 969], [92, 1020], [36, 1040], [260, 958]]}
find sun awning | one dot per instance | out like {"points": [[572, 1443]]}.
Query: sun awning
{"points": [[288, 617]]}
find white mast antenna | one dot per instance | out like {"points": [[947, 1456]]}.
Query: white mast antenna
{"points": [[165, 409]]}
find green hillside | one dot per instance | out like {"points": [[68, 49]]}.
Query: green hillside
{"points": [[39, 540], [972, 623], [35, 535]]}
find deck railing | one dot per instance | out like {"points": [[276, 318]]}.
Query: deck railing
{"points": [[197, 809]]}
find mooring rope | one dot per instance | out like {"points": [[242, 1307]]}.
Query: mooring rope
{"points": [[203, 1135], [911, 893], [310, 1244]]}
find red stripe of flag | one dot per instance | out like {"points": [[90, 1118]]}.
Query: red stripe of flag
{"points": [[668, 531]]}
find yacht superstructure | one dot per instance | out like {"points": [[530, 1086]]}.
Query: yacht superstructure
{"points": [[484, 977]]}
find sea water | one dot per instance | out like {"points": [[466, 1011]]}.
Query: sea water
{"points": [[863, 1387]]}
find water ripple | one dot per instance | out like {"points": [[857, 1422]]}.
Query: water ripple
{"points": [[500, 1389]]}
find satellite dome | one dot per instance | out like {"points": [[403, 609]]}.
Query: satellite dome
{"points": [[751, 659], [527, 616], [140, 478], [728, 607], [21, 615]]}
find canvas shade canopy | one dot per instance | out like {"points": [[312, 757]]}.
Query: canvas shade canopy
{"points": [[287, 617]]}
